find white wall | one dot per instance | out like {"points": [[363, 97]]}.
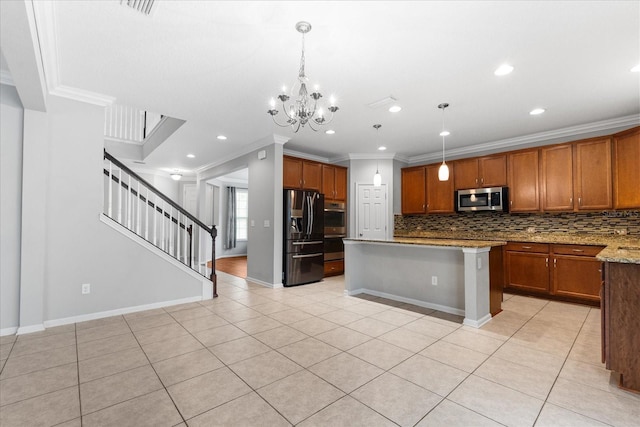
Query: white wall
{"points": [[264, 249], [76, 246], [361, 172], [11, 123]]}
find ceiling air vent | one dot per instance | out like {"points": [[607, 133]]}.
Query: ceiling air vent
{"points": [[142, 6]]}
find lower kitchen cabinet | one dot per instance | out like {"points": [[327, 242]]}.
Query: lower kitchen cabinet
{"points": [[576, 273], [333, 268], [527, 267], [569, 272]]}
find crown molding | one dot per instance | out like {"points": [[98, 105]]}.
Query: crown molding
{"points": [[280, 139], [371, 156], [567, 134], [254, 146], [302, 155], [6, 79], [45, 20]]}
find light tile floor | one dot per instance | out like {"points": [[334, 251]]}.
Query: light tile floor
{"points": [[311, 356]]}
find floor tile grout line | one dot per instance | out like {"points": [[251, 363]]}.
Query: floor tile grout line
{"points": [[158, 376], [75, 328]]}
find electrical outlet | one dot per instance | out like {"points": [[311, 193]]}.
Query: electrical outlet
{"points": [[86, 288], [267, 223], [434, 280]]}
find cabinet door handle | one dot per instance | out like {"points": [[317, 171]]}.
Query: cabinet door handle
{"points": [[579, 201], [555, 262], [482, 181], [476, 180], [511, 202], [546, 262], [578, 250], [570, 200], [526, 247]]}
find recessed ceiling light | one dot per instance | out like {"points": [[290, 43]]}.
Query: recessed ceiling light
{"points": [[636, 69], [191, 156], [330, 132], [395, 108], [382, 148], [221, 137], [537, 111], [445, 133], [503, 70]]}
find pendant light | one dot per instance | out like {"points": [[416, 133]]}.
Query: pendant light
{"points": [[443, 172], [377, 178]]}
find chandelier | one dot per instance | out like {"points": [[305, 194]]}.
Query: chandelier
{"points": [[305, 108]]}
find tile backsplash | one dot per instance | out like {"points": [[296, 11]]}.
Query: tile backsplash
{"points": [[606, 222]]}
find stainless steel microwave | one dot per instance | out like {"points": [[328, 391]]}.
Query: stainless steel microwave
{"points": [[482, 199]]}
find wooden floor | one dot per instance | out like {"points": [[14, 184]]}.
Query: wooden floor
{"points": [[236, 266]]}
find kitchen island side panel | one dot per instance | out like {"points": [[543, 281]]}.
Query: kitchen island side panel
{"points": [[406, 272]]}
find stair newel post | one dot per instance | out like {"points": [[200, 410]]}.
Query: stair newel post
{"points": [[214, 278], [190, 233]]}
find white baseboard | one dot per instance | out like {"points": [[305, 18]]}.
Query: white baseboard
{"points": [[117, 312], [8, 331], [29, 329], [477, 323], [265, 284], [443, 308]]}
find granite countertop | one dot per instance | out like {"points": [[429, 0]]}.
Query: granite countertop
{"points": [[458, 243], [618, 248]]}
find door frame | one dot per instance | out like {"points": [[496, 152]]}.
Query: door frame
{"points": [[357, 207]]}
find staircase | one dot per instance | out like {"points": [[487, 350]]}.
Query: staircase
{"points": [[142, 209]]}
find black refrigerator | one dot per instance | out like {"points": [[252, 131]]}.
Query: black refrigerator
{"points": [[303, 252]]}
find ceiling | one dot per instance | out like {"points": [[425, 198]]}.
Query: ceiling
{"points": [[216, 65]]}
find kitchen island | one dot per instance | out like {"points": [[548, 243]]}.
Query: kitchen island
{"points": [[620, 311], [448, 275]]}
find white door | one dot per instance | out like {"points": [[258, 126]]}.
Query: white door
{"points": [[372, 211], [190, 198]]}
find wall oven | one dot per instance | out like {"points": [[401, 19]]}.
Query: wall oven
{"points": [[335, 229]]}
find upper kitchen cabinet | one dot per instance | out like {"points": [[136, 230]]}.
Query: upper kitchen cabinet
{"points": [[556, 170], [439, 193], [298, 173], [524, 181], [626, 169], [334, 182], [490, 171], [291, 172], [592, 176], [414, 190]]}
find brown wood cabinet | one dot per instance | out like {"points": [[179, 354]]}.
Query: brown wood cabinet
{"points": [[291, 172], [333, 268], [414, 192], [524, 181], [439, 193], [527, 267], [303, 174], [334, 182], [592, 175], [621, 323], [569, 272], [489, 171], [576, 272], [556, 177], [626, 169]]}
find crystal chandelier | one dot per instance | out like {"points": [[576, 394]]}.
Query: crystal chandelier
{"points": [[305, 108]]}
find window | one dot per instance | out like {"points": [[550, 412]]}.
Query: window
{"points": [[242, 213]]}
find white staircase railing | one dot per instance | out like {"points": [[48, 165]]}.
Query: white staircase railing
{"points": [[129, 124], [138, 206]]}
